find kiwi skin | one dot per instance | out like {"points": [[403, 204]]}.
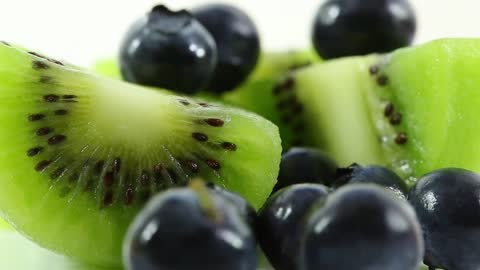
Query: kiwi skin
{"points": [[81, 152]]}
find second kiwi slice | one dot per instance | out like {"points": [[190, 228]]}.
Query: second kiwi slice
{"points": [[81, 154]]}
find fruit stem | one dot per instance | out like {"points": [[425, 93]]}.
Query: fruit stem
{"points": [[206, 201]]}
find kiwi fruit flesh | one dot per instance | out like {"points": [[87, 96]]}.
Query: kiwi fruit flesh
{"points": [[256, 94], [82, 153], [415, 109]]}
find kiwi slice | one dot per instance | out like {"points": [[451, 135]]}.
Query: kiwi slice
{"points": [[257, 93], [415, 109], [81, 153]]}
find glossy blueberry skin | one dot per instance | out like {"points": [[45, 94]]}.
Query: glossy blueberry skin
{"points": [[352, 27], [237, 41], [169, 50], [246, 210], [174, 232], [279, 221], [305, 165], [378, 175], [447, 203], [361, 227]]}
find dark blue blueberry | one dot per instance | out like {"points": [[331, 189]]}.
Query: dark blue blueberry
{"points": [[447, 203], [305, 165], [246, 210], [353, 27], [361, 227], [170, 50], [278, 223], [371, 174], [237, 42], [183, 229]]}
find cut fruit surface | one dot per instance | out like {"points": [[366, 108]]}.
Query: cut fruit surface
{"points": [[257, 93], [415, 109], [81, 153]]}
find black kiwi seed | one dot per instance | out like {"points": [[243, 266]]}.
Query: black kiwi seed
{"points": [[5, 43], [42, 165], [44, 131], [229, 146], [213, 164], [203, 104], [55, 61], [157, 169], [36, 117], [108, 198], [38, 65], [214, 122], [382, 80], [37, 55], [374, 70], [69, 96], [401, 138], [192, 166], [184, 102], [144, 178], [46, 79], [108, 179], [200, 137], [389, 109], [395, 118], [56, 139], [99, 166], [60, 112], [51, 98], [34, 151], [57, 173]]}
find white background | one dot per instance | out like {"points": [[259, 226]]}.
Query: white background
{"points": [[81, 31]]}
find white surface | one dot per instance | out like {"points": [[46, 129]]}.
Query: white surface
{"points": [[80, 31]]}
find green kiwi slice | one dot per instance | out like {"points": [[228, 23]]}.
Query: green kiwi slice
{"points": [[256, 94], [81, 153], [415, 109]]}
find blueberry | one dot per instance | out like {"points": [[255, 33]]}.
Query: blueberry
{"points": [[279, 221], [371, 174], [305, 165], [361, 227], [237, 42], [447, 203], [183, 229], [246, 210], [170, 50], [353, 27]]}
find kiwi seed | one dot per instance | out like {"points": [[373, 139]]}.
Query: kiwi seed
{"points": [[401, 138], [395, 118], [389, 109], [382, 80]]}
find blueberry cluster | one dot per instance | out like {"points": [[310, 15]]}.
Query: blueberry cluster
{"points": [[212, 47], [216, 47], [359, 217]]}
